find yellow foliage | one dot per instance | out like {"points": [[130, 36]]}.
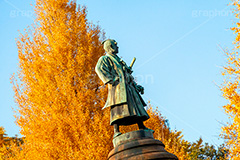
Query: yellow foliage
{"points": [[2, 133], [230, 90], [56, 88]]}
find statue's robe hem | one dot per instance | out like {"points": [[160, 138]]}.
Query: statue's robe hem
{"points": [[131, 112]]}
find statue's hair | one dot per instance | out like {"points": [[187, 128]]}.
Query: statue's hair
{"points": [[107, 45]]}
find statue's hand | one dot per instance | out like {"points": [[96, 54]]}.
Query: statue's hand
{"points": [[140, 89]]}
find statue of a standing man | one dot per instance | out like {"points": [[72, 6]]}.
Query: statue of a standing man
{"points": [[127, 105]]}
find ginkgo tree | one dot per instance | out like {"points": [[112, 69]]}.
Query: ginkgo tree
{"points": [[230, 90], [2, 134], [56, 88]]}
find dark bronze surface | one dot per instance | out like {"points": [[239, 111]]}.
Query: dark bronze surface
{"points": [[139, 145]]}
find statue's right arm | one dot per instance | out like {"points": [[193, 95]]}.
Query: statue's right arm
{"points": [[103, 69]]}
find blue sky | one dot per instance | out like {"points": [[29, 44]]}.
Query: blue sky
{"points": [[176, 46]]}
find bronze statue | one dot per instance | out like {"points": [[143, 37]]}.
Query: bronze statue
{"points": [[127, 105]]}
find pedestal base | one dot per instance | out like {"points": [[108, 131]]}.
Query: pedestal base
{"points": [[139, 145]]}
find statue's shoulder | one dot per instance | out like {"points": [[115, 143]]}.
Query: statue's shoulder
{"points": [[104, 58]]}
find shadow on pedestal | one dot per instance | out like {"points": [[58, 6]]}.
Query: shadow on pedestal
{"points": [[139, 145]]}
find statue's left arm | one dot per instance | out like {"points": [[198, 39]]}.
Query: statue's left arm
{"points": [[139, 88]]}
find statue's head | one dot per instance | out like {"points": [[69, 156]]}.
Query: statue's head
{"points": [[110, 46]]}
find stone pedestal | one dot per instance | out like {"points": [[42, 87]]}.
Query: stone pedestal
{"points": [[139, 145]]}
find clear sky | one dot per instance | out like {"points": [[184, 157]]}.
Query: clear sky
{"points": [[176, 46]]}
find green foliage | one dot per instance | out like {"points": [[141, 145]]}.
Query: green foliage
{"points": [[200, 151]]}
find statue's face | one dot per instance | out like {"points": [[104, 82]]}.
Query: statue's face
{"points": [[115, 47]]}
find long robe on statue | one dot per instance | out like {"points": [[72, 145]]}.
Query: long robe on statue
{"points": [[127, 105]]}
